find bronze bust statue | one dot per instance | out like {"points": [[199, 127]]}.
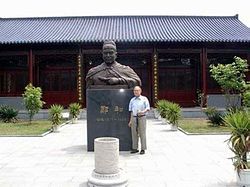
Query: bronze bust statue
{"points": [[111, 73]]}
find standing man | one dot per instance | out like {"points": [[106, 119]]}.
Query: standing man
{"points": [[138, 106]]}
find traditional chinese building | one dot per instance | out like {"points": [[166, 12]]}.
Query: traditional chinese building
{"points": [[171, 54]]}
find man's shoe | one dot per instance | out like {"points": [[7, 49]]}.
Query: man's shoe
{"points": [[134, 151], [142, 152]]}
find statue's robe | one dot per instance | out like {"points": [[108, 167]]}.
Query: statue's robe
{"points": [[125, 73]]}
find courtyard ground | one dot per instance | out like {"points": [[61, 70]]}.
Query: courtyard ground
{"points": [[173, 159]]}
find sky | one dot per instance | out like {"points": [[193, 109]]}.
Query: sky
{"points": [[48, 8]]}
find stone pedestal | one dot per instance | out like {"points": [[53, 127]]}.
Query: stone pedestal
{"points": [[108, 116], [107, 171]]}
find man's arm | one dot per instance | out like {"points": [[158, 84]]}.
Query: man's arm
{"points": [[131, 113], [130, 120], [147, 107]]}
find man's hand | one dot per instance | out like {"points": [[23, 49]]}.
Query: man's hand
{"points": [[129, 123], [110, 80], [141, 113]]}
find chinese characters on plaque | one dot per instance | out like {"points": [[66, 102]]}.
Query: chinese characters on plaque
{"points": [[115, 110]]}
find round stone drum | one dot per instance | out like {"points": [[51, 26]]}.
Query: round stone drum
{"points": [[106, 155]]}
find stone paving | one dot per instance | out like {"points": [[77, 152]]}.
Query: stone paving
{"points": [[173, 159]]}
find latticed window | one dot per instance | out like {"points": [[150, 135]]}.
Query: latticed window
{"points": [[179, 77], [57, 72], [13, 75], [177, 71]]}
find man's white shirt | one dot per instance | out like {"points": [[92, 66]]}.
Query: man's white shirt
{"points": [[138, 104]]}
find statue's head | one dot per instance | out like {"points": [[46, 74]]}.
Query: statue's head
{"points": [[109, 53]]}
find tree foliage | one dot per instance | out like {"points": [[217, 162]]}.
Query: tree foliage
{"points": [[230, 77], [33, 100], [246, 95]]}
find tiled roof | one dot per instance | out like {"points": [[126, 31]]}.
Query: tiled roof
{"points": [[123, 29]]}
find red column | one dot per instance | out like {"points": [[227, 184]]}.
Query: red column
{"points": [[204, 71], [30, 66]]}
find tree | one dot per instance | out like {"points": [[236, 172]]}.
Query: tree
{"points": [[32, 100], [231, 78], [246, 95]]}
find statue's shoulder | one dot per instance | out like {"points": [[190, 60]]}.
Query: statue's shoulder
{"points": [[95, 69]]}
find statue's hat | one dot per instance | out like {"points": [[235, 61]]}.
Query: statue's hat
{"points": [[109, 44]]}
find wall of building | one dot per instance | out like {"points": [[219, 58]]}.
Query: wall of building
{"points": [[170, 71]]}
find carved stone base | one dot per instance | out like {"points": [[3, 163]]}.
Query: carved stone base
{"points": [[108, 180]]}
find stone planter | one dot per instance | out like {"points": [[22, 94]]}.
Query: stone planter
{"points": [[74, 120], [173, 127], [243, 179], [55, 128], [156, 114], [163, 121], [107, 171], [106, 155]]}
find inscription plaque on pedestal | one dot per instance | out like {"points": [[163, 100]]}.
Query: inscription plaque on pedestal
{"points": [[108, 116]]}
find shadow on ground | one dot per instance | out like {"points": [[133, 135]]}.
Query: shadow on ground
{"points": [[76, 149], [83, 184]]}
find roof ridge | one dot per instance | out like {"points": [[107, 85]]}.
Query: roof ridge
{"points": [[151, 28], [120, 16]]}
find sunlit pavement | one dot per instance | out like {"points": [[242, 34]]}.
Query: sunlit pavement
{"points": [[173, 159]]}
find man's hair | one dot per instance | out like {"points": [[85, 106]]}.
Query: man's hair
{"points": [[110, 43], [138, 87]]}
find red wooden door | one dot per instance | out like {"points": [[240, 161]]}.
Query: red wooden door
{"points": [[57, 76], [178, 78], [59, 86]]}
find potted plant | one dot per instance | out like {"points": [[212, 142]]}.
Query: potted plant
{"points": [[214, 116], [8, 114], [55, 113], [239, 144], [74, 110], [161, 109], [173, 114]]}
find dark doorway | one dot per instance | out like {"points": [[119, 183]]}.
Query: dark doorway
{"points": [[178, 77], [57, 76]]}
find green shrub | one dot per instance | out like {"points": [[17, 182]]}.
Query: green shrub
{"points": [[246, 96], [55, 113], [8, 114], [201, 99], [74, 109], [239, 141], [161, 107], [173, 113], [169, 110], [32, 100], [214, 116], [231, 78]]}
